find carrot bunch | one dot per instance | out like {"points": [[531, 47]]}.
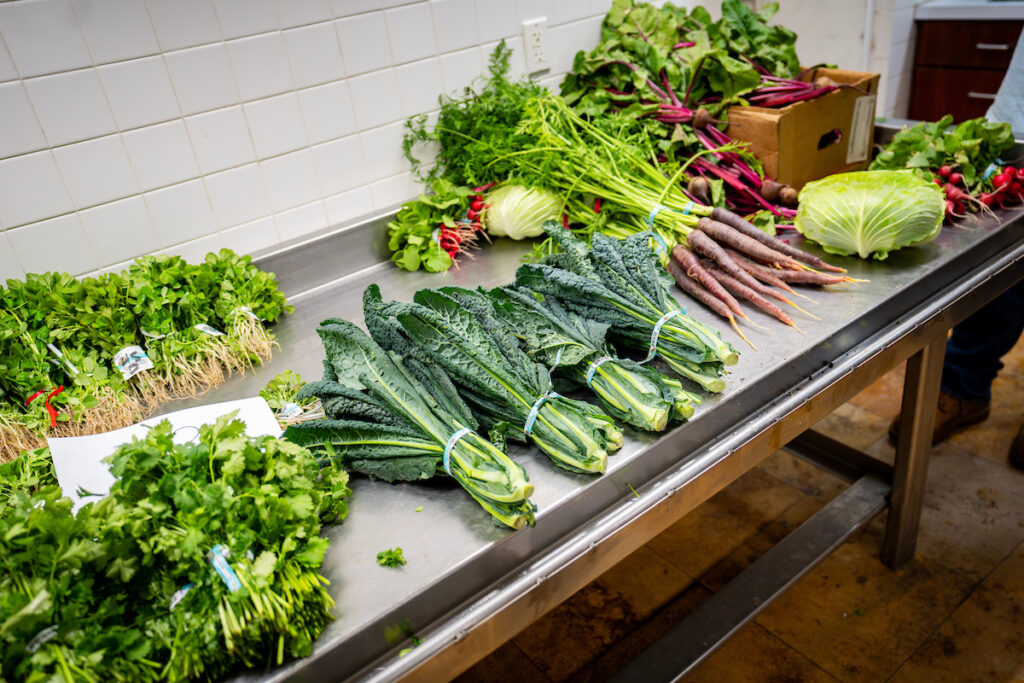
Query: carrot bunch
{"points": [[725, 256]]}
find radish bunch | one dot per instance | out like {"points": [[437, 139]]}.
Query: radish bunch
{"points": [[1002, 188]]}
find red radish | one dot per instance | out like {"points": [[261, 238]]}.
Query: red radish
{"points": [[471, 215], [938, 180], [944, 171], [956, 178], [987, 199], [597, 205], [1020, 174], [1001, 179], [476, 205]]}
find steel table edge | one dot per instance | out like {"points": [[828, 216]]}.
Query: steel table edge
{"points": [[448, 646]]}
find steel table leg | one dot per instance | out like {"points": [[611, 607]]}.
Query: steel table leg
{"points": [[920, 396]]}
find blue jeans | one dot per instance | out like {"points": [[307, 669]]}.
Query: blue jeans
{"points": [[973, 352]]}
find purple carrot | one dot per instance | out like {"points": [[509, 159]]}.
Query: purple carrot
{"points": [[750, 230]]}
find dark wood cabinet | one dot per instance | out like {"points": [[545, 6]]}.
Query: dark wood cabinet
{"points": [[958, 66]]}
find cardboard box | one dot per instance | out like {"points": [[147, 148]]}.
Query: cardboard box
{"points": [[798, 143]]}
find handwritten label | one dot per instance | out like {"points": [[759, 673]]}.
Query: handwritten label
{"points": [[131, 360], [860, 129]]}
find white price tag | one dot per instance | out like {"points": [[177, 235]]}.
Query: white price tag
{"points": [[860, 129], [131, 360], [203, 327]]}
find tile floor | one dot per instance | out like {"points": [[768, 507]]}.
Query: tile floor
{"points": [[954, 613]]}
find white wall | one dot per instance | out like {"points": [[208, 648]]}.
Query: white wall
{"points": [[133, 127]]}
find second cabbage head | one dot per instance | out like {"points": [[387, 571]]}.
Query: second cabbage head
{"points": [[870, 213]]}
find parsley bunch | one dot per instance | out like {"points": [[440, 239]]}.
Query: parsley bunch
{"points": [[59, 336]]}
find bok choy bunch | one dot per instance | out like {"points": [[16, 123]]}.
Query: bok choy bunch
{"points": [[621, 283], [497, 378], [575, 349], [400, 419]]}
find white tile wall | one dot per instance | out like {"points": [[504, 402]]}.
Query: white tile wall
{"points": [[221, 139], [79, 164], [276, 125], [116, 29], [120, 230], [43, 37], [301, 221], [161, 155], [10, 267], [260, 65], [20, 132], [313, 54], [125, 80], [71, 106], [411, 31], [202, 78], [327, 112], [364, 42], [183, 23], [179, 126], [291, 180], [181, 212]]}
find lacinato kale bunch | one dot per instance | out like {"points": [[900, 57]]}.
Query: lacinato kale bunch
{"points": [[497, 379], [621, 283], [392, 416], [574, 349]]}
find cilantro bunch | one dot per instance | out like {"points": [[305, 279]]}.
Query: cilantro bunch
{"points": [[127, 589]]}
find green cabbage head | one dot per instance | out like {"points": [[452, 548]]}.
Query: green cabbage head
{"points": [[870, 213]]}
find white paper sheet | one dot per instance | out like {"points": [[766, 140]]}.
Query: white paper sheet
{"points": [[78, 460]]}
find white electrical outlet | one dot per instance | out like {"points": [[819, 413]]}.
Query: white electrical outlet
{"points": [[534, 39]]}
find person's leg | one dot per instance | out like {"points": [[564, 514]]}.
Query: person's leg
{"points": [[972, 362], [974, 350]]}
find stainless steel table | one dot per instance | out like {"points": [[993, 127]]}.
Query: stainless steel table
{"points": [[469, 586]]}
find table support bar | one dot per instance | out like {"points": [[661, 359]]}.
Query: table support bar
{"points": [[694, 638], [913, 446]]}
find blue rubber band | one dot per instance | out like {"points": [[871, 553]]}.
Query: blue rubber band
{"points": [[654, 212], [652, 350], [535, 410], [992, 168], [436, 236], [219, 559], [660, 245], [594, 366], [452, 440], [686, 209]]}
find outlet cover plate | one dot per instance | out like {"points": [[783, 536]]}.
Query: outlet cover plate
{"points": [[535, 44]]}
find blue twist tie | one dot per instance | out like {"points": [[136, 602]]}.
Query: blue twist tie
{"points": [[686, 209], [594, 366], [219, 559], [654, 212], [436, 236], [452, 440], [535, 410], [652, 350]]}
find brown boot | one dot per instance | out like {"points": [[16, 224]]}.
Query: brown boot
{"points": [[1017, 450], [952, 416]]}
